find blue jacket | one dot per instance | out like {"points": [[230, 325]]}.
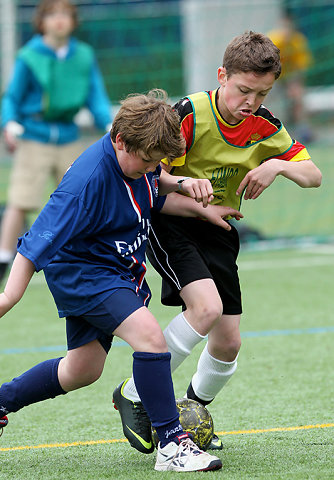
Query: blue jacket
{"points": [[25, 98]]}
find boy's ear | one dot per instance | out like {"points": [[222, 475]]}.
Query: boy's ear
{"points": [[119, 142], [222, 76]]}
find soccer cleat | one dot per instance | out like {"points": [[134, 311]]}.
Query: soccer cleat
{"points": [[216, 443], [3, 423], [135, 421], [183, 455]]}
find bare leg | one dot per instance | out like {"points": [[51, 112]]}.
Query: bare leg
{"points": [[81, 366]]}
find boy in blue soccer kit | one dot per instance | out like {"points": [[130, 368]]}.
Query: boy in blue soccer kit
{"points": [[90, 241]]}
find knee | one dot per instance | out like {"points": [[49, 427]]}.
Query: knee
{"points": [[87, 377], [210, 310], [156, 343], [74, 375], [226, 350], [203, 315], [232, 349]]}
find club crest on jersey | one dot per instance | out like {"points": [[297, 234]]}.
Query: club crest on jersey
{"points": [[155, 185], [255, 137]]}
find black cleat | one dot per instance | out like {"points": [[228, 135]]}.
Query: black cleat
{"points": [[216, 443], [135, 421]]}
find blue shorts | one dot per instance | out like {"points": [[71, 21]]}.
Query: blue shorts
{"points": [[100, 323]]}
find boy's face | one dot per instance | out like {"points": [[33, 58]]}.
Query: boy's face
{"points": [[58, 22], [241, 94], [135, 165]]}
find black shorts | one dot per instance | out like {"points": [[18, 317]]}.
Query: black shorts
{"points": [[184, 250]]}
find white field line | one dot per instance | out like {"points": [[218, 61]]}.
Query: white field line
{"points": [[248, 265], [303, 262]]}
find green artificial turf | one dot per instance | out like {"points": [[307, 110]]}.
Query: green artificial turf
{"points": [[284, 381]]}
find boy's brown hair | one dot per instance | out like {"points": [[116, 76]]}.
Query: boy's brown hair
{"points": [[252, 52], [148, 124], [48, 6]]}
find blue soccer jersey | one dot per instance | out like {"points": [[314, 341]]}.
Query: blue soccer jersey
{"points": [[90, 238]]}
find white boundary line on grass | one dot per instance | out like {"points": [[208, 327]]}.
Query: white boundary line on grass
{"points": [[304, 262], [249, 265], [123, 440]]}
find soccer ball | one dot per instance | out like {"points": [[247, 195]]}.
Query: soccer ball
{"points": [[195, 419]]}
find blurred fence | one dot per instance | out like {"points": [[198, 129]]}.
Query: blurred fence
{"points": [[173, 44], [178, 45]]}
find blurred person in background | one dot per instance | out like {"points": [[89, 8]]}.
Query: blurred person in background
{"points": [[296, 58], [54, 76]]}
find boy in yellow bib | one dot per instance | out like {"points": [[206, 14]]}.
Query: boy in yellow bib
{"points": [[234, 141]]}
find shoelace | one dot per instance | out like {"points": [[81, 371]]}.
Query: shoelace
{"points": [[141, 415], [191, 446], [187, 446]]}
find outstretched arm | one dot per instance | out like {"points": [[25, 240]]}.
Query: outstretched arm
{"points": [[19, 278], [303, 173], [182, 206], [199, 189]]}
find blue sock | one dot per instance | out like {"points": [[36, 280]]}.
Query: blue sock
{"points": [[37, 384], [153, 380]]}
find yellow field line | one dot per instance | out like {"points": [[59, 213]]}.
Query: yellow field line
{"points": [[278, 429], [63, 445], [123, 440]]}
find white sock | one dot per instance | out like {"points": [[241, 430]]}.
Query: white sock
{"points": [[211, 375], [181, 338], [6, 256], [130, 391]]}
